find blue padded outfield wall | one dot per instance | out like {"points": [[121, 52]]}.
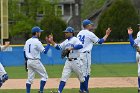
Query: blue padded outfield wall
{"points": [[106, 53]]}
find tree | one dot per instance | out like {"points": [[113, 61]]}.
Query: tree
{"points": [[119, 16], [28, 13], [53, 25]]}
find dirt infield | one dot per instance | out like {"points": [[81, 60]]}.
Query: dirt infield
{"points": [[105, 82]]}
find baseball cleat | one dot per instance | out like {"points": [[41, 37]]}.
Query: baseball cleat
{"points": [[0, 84], [40, 91], [138, 91], [80, 91], [83, 91], [55, 92]]}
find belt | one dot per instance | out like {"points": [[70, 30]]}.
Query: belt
{"points": [[71, 59], [34, 59], [86, 52]]}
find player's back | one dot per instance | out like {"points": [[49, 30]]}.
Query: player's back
{"points": [[87, 38], [31, 48]]}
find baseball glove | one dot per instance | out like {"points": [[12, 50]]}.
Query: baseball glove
{"points": [[137, 48], [65, 53]]}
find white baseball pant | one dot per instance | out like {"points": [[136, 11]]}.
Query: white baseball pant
{"points": [[35, 66]]}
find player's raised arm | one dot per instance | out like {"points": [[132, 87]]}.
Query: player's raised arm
{"points": [[50, 39], [130, 31], [47, 46], [108, 31]]}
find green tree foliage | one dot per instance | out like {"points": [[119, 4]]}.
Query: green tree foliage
{"points": [[119, 17], [28, 13], [21, 22], [53, 25]]}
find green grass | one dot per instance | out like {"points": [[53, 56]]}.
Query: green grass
{"points": [[97, 70], [97, 90]]}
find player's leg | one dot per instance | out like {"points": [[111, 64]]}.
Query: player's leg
{"points": [[84, 66], [40, 69], [139, 77], [88, 55], [138, 61], [65, 75], [85, 60], [77, 68], [3, 75], [31, 76]]}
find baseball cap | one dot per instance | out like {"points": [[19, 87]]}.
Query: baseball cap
{"points": [[69, 29], [36, 29], [86, 22]]}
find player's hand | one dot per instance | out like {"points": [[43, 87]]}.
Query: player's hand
{"points": [[50, 37], [130, 30], [108, 31], [7, 43], [47, 40], [70, 48]]}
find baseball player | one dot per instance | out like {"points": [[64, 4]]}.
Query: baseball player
{"points": [[87, 39], [32, 49], [3, 73], [73, 62], [136, 44]]}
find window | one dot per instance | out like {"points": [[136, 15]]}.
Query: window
{"points": [[76, 9], [59, 10]]}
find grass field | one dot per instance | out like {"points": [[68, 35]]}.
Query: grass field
{"points": [[97, 90], [98, 70]]}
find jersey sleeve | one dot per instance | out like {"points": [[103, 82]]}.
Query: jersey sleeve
{"points": [[137, 40], [2, 48], [77, 41], [40, 47], [94, 38], [60, 46], [77, 44]]}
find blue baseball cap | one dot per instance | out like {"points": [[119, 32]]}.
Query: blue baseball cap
{"points": [[36, 29], [69, 29], [86, 22]]}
